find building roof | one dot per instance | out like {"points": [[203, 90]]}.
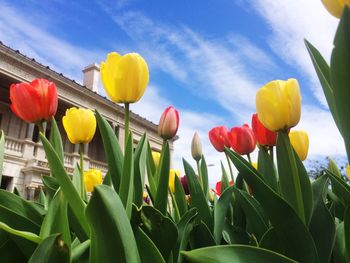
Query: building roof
{"points": [[49, 70]]}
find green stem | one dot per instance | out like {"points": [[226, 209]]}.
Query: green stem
{"points": [[200, 174], [249, 159], [126, 124], [176, 209], [295, 174], [81, 153], [41, 127], [230, 167]]}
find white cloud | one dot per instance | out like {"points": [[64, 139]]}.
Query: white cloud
{"points": [[291, 21], [17, 30]]}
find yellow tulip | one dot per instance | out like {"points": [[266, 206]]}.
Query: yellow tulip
{"points": [[172, 174], [348, 172], [156, 158], [278, 104], [92, 178], [335, 7], [300, 143], [80, 125], [124, 77], [255, 165]]}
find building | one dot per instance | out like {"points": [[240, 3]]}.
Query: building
{"points": [[24, 160]]}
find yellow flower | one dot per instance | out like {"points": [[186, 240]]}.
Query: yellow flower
{"points": [[278, 104], [300, 143], [255, 165], [156, 158], [92, 178], [80, 125], [124, 77], [348, 172], [335, 7], [172, 174]]}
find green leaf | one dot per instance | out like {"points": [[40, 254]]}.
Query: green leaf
{"points": [[80, 251], [254, 213], [184, 228], [9, 250], [76, 179], [51, 250], [347, 232], [147, 249], [161, 199], [113, 152], [234, 253], [220, 211], [201, 236], [56, 219], [55, 140], [126, 191], [224, 179], [267, 168], [322, 227], [339, 250], [24, 234], [112, 238], [288, 225], [294, 182], [235, 235], [180, 197], [205, 179], [20, 207], [343, 189], [198, 199], [151, 172], [140, 169], [2, 148], [159, 228], [340, 65], [42, 199], [323, 73], [270, 241], [68, 189]]}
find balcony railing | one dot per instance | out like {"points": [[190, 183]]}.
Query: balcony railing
{"points": [[26, 150]]}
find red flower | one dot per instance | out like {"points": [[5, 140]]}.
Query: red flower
{"points": [[218, 138], [262, 134], [168, 123], [184, 183], [242, 139], [218, 187], [35, 101]]}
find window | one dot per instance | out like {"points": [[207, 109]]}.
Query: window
{"points": [[6, 182]]}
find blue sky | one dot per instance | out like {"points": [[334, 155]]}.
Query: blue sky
{"points": [[207, 58]]}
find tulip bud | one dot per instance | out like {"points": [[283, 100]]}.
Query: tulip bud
{"points": [[300, 143], [124, 78], [242, 139], [348, 172], [35, 101], [156, 158], [146, 198], [278, 104], [196, 147], [184, 183], [218, 137], [168, 123], [79, 124], [218, 187], [92, 178], [263, 136], [172, 174], [335, 7]]}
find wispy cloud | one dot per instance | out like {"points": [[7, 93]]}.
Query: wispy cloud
{"points": [[19, 32], [291, 21], [206, 66]]}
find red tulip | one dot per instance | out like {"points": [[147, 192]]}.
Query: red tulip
{"points": [[35, 101], [218, 138], [262, 134], [242, 139], [218, 187], [168, 123], [184, 183]]}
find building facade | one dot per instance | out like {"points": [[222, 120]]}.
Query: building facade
{"points": [[24, 159]]}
